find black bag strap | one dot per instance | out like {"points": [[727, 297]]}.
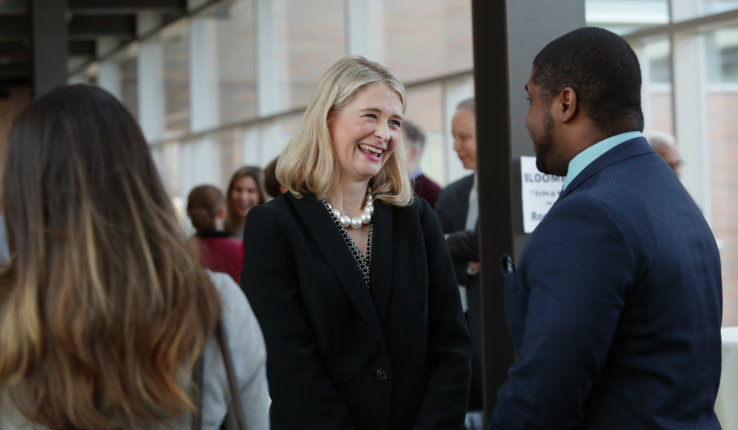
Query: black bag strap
{"points": [[236, 405], [196, 421]]}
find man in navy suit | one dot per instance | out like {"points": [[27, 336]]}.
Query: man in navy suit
{"points": [[616, 305]]}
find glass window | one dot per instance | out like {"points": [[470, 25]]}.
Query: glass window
{"points": [[166, 156], [425, 109], [228, 31], [626, 16], [655, 58], [119, 76], [689, 9], [310, 36], [176, 53], [420, 41], [129, 80], [721, 49], [721, 104]]}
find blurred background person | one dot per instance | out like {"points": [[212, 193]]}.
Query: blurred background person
{"points": [[244, 192], [271, 185], [457, 209], [664, 145], [423, 186], [103, 313], [217, 250], [349, 275]]}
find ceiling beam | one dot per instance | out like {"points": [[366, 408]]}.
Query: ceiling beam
{"points": [[13, 6], [118, 7], [15, 70], [14, 48], [82, 48], [89, 27], [14, 27]]}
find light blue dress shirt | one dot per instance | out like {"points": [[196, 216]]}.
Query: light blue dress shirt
{"points": [[586, 157]]}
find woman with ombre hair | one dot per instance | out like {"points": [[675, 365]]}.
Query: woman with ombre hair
{"points": [[350, 277], [103, 312], [245, 190]]}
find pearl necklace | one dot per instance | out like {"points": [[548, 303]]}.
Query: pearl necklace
{"points": [[357, 221]]}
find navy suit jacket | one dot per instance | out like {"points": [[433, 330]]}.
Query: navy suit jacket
{"points": [[395, 355], [616, 306]]}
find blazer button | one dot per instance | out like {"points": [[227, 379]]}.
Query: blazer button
{"points": [[382, 375]]}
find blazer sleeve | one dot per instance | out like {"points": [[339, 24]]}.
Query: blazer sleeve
{"points": [[302, 394], [463, 245], [576, 269], [449, 346], [445, 210]]}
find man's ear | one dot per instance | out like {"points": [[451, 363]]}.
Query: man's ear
{"points": [[567, 104]]}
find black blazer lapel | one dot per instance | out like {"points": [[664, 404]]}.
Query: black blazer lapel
{"points": [[382, 257], [337, 255]]}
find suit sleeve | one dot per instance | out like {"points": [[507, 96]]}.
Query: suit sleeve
{"points": [[463, 246], [444, 211], [576, 269], [449, 356], [302, 394]]}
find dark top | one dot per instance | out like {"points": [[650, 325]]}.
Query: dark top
{"points": [[392, 356], [452, 206], [616, 306], [424, 187], [220, 253]]}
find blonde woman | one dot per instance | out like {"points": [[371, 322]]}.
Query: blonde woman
{"points": [[350, 277], [103, 314]]}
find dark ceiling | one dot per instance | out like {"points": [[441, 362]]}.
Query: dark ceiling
{"points": [[87, 20]]}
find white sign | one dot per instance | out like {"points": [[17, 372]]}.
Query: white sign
{"points": [[539, 192]]}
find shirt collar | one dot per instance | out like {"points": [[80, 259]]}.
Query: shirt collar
{"points": [[586, 157]]}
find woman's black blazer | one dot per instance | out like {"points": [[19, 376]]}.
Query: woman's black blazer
{"points": [[341, 355]]}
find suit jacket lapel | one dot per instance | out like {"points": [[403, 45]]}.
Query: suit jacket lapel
{"points": [[330, 241], [463, 202], [382, 250]]}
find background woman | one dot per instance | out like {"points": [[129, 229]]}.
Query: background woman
{"points": [[217, 250], [245, 191], [349, 277], [102, 311]]}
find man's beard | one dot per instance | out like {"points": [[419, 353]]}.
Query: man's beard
{"points": [[545, 145]]}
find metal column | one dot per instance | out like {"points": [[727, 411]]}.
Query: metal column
{"points": [[507, 36]]}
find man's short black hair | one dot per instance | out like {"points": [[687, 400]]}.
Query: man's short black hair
{"points": [[603, 71], [414, 134]]}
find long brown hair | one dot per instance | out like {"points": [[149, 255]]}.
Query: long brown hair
{"points": [[102, 311], [232, 220]]}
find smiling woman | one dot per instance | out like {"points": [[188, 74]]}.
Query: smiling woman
{"points": [[244, 192], [350, 277]]}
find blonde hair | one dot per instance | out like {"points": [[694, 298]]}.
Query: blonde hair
{"points": [[103, 313], [308, 162]]}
